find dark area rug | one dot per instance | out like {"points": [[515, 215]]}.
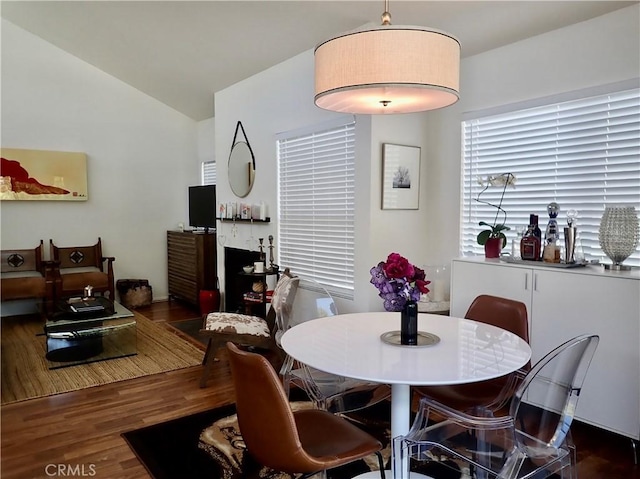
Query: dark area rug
{"points": [[208, 445], [189, 328]]}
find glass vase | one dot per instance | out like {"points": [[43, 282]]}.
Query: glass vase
{"points": [[618, 234], [409, 324]]}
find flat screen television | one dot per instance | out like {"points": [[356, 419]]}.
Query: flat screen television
{"points": [[202, 207]]}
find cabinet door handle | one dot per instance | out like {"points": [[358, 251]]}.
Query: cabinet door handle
{"points": [[526, 281], [535, 282]]}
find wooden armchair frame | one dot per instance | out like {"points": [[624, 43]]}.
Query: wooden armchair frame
{"points": [[90, 267], [26, 275]]}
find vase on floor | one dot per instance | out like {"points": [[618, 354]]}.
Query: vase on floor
{"points": [[409, 324]]}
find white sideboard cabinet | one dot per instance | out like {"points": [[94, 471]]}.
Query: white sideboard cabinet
{"points": [[564, 303]]}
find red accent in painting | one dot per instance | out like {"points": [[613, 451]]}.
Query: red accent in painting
{"points": [[22, 182]]}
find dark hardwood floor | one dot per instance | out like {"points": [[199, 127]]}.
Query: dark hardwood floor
{"points": [[80, 431]]}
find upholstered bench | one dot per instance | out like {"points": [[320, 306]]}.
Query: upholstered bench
{"points": [[238, 328]]}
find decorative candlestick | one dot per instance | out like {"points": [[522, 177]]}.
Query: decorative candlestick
{"points": [[271, 252]]}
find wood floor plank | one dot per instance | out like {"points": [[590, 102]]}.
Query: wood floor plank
{"points": [[84, 427]]}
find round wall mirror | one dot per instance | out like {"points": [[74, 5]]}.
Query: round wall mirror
{"points": [[241, 169]]}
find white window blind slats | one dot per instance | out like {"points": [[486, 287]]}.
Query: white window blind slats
{"points": [[208, 173], [583, 154], [316, 195]]}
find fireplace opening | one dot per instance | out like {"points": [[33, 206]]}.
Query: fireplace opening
{"points": [[234, 284]]}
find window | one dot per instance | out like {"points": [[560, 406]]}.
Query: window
{"points": [[583, 154], [208, 173], [316, 191]]}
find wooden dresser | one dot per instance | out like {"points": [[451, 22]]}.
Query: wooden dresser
{"points": [[191, 260]]}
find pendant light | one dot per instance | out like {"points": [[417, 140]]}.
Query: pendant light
{"points": [[387, 69]]}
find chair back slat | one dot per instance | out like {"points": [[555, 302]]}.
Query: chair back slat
{"points": [[78, 256], [20, 260]]}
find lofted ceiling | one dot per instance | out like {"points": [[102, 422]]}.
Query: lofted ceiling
{"points": [[181, 52]]}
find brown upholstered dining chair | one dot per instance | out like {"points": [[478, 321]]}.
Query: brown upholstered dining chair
{"points": [[306, 441], [25, 275], [493, 394], [82, 266]]}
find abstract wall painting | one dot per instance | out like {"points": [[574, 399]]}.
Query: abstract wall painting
{"points": [[43, 175], [400, 177]]}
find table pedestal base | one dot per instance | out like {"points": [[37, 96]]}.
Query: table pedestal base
{"points": [[400, 424]]}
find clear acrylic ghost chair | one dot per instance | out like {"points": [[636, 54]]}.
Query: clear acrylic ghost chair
{"points": [[531, 442], [297, 300]]}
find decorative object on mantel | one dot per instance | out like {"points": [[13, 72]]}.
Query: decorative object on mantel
{"points": [[243, 211], [493, 238], [242, 164], [400, 284], [387, 69], [272, 265], [618, 234]]}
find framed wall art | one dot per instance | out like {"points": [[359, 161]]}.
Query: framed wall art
{"points": [[43, 175], [400, 177]]}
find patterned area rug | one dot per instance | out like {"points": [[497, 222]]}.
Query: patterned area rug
{"points": [[209, 445], [26, 373]]}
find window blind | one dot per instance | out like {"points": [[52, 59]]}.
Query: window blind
{"points": [[583, 154], [209, 173], [316, 193]]}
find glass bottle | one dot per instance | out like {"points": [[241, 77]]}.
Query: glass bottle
{"points": [[551, 250], [530, 243], [533, 220]]}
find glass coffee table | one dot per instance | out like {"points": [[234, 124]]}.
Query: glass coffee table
{"points": [[80, 338]]}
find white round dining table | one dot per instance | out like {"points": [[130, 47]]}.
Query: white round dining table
{"points": [[350, 345]]}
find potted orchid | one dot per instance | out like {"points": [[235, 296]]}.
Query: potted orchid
{"points": [[398, 282], [493, 238]]}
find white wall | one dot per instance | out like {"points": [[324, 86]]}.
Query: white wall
{"points": [[599, 51], [141, 158]]}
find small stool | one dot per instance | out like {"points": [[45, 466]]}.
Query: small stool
{"points": [[239, 328]]}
